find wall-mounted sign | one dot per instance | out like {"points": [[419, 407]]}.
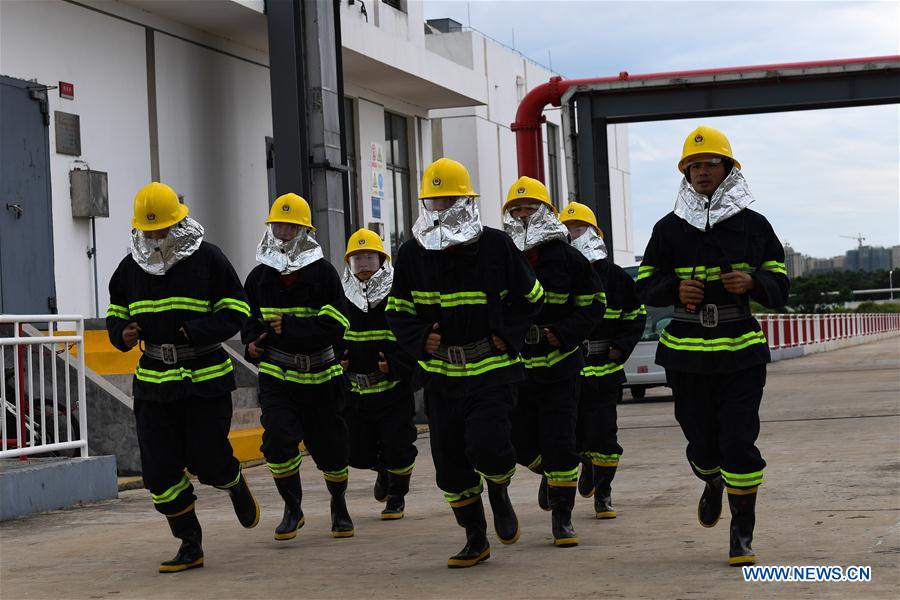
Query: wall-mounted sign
{"points": [[66, 90]]}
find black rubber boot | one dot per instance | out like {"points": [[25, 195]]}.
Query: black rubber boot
{"points": [[709, 510], [506, 524], [398, 487], [185, 527], [542, 488], [743, 519], [292, 493], [341, 524], [562, 501], [380, 491], [477, 549], [603, 507], [586, 479], [245, 505]]}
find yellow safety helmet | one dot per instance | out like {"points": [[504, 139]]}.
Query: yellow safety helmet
{"points": [[156, 206], [576, 211], [291, 208], [526, 188], [365, 240], [705, 140], [446, 178]]}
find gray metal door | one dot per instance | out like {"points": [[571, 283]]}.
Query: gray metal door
{"points": [[26, 229]]}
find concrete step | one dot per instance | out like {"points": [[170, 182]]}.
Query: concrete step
{"points": [[245, 418], [245, 397]]}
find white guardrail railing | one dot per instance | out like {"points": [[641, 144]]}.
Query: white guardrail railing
{"points": [[36, 419], [788, 331]]}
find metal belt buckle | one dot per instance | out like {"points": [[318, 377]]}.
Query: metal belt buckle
{"points": [[168, 353], [361, 380], [457, 355], [533, 335], [586, 346], [709, 315], [302, 362]]}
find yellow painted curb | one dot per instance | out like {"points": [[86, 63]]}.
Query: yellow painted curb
{"points": [[246, 444]]}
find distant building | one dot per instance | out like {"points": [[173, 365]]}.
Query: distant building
{"points": [[794, 261], [895, 257], [869, 258]]}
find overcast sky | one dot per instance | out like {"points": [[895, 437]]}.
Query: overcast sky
{"points": [[816, 175]]}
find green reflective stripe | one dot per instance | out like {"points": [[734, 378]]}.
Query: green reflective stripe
{"points": [[703, 273], [704, 471], [599, 296], [375, 389], [115, 310], [403, 471], [645, 271], [503, 478], [634, 314], [371, 335], [400, 305], [297, 311], [298, 377], [336, 476], [774, 266], [230, 484], [599, 456], [612, 313], [742, 479], [537, 291], [536, 463], [562, 476], [548, 360], [504, 294], [601, 370], [449, 300], [195, 375], [458, 497], [712, 345], [554, 298], [287, 466], [171, 493], [330, 311], [234, 304], [469, 369], [164, 304]]}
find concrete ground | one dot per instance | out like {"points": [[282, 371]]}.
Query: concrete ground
{"points": [[831, 435]]}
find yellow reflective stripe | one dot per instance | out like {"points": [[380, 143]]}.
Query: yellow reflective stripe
{"points": [[375, 389], [472, 492], [330, 311], [231, 484], [298, 377], [712, 345], [555, 298], [469, 369], [600, 457], [537, 291], [195, 375], [164, 304], [645, 271], [400, 305], [116, 310], [234, 304], [704, 471], [634, 314], [548, 360], [504, 294], [703, 273], [449, 300], [285, 467], [336, 476], [403, 471], [774, 266], [171, 493], [742, 479], [612, 313], [561, 476], [297, 311], [502, 478], [601, 370], [370, 335]]}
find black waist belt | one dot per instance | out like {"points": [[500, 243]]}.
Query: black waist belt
{"points": [[300, 362], [172, 353], [710, 315], [535, 334], [592, 347], [460, 355], [365, 380]]}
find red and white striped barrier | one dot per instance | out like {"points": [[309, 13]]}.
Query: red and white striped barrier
{"points": [[789, 331]]}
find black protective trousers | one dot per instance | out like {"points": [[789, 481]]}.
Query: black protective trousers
{"points": [[596, 433], [311, 413], [719, 415], [470, 438], [543, 422], [188, 434], [382, 433]]}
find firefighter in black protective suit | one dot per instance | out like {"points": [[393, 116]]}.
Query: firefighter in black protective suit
{"points": [[380, 403], [181, 298], [295, 331], [605, 351], [709, 257], [462, 300], [545, 416]]}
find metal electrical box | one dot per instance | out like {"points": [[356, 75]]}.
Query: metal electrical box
{"points": [[90, 193]]}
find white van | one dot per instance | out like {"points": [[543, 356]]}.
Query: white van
{"points": [[641, 370]]}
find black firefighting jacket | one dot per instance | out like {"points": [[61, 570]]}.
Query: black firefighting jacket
{"points": [[313, 310], [471, 291], [622, 325], [201, 294], [574, 301], [368, 336], [676, 252]]}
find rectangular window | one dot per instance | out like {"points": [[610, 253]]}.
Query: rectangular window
{"points": [[398, 4], [553, 165], [397, 171]]}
